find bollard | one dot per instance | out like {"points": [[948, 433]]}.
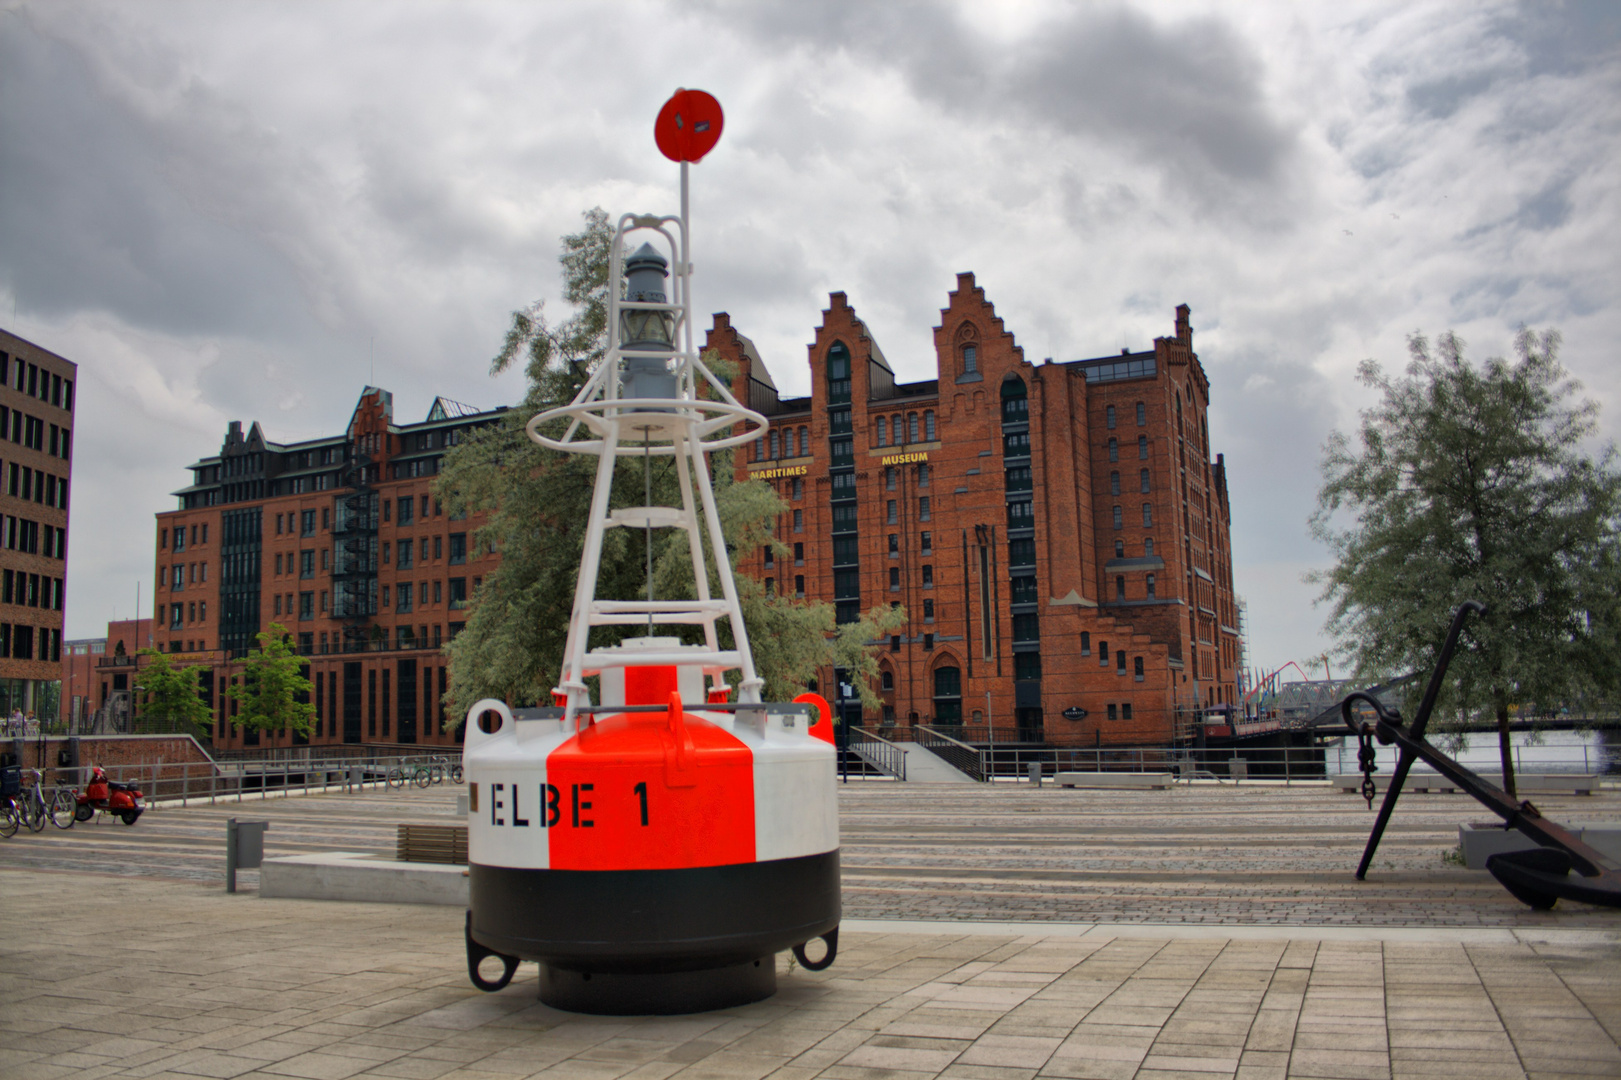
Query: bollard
{"points": [[244, 848], [1035, 773]]}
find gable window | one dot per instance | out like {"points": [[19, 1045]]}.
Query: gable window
{"points": [[970, 359]]}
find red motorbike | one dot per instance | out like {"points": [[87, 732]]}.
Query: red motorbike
{"points": [[121, 800]]}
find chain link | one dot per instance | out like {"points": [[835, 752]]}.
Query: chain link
{"points": [[1366, 759]]}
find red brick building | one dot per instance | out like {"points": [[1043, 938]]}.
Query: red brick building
{"points": [[340, 541], [1058, 533], [99, 671]]}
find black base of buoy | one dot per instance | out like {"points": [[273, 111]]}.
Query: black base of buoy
{"points": [[658, 993]]}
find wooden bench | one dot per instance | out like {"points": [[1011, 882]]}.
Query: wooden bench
{"points": [[432, 844], [1115, 780], [1424, 780]]}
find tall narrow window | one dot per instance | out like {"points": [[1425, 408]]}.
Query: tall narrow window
{"points": [[1142, 448], [1151, 586], [1119, 519], [970, 359], [911, 427], [1148, 515], [1114, 449], [883, 431], [1114, 483], [1103, 654], [1142, 478], [1142, 414], [1108, 417], [1120, 587], [928, 426]]}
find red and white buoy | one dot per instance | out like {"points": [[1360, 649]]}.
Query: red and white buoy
{"points": [[655, 849]]}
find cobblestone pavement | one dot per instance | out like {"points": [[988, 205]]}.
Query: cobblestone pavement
{"points": [[162, 979], [1205, 854]]}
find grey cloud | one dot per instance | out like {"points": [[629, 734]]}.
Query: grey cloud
{"points": [[1564, 36], [1186, 98], [1261, 405], [91, 218], [1440, 98], [1547, 209]]}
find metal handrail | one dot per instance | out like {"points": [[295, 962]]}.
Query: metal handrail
{"points": [[967, 759], [878, 752]]}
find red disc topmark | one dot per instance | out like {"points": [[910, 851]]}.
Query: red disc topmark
{"points": [[688, 126]]}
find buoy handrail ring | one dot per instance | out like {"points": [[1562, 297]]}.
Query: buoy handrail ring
{"points": [[705, 417]]}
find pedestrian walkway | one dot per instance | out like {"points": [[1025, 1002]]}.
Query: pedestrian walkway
{"points": [[993, 932], [1201, 855], [926, 767], [163, 980]]}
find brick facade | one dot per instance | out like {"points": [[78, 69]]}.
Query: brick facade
{"points": [[1077, 529], [313, 536]]}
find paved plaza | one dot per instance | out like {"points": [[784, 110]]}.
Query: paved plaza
{"points": [[992, 934]]}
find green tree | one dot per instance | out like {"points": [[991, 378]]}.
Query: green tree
{"points": [[537, 502], [273, 692], [171, 698], [1473, 484]]}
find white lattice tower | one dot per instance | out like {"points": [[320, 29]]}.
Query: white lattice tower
{"points": [[684, 427]]}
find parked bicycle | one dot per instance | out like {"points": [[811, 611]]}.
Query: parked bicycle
{"points": [[57, 807], [435, 770], [11, 786]]}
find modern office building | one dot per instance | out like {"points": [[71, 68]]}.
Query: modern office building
{"points": [[36, 464], [340, 541], [1058, 532]]}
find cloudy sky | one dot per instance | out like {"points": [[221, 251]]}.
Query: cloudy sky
{"points": [[241, 211]]}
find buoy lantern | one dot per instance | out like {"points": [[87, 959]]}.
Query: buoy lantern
{"points": [[655, 849]]}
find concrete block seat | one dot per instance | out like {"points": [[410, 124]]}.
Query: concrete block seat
{"points": [[1482, 839], [352, 876], [1426, 780], [1115, 780]]}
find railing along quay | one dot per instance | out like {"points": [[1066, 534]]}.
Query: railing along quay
{"points": [[1002, 761], [878, 752], [187, 782]]}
